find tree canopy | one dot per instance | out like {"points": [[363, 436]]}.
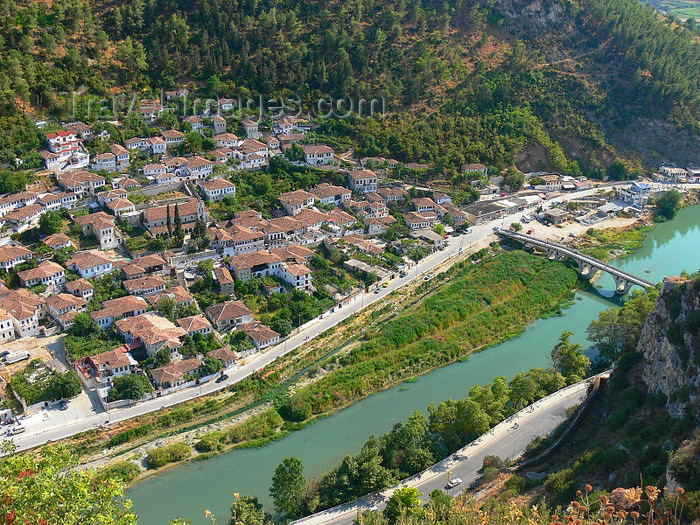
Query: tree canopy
{"points": [[44, 488]]}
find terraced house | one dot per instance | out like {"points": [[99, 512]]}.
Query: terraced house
{"points": [[114, 309], [145, 285], [89, 264], [217, 189], [48, 273], [63, 308], [11, 256], [100, 225], [155, 219]]}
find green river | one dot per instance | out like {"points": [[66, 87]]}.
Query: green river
{"points": [[188, 490]]}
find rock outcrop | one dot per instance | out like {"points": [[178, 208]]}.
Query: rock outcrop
{"points": [[536, 16], [670, 345]]}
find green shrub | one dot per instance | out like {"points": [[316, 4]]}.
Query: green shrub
{"points": [[128, 435], [211, 442], [158, 457], [489, 474], [124, 471], [515, 483], [561, 483]]}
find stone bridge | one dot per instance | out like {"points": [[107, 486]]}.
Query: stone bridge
{"points": [[588, 266]]}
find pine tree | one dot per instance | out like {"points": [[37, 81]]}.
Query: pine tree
{"points": [[178, 223]]}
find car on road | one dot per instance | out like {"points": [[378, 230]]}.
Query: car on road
{"points": [[221, 378], [17, 430], [453, 483]]}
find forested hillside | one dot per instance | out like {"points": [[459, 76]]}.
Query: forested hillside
{"points": [[565, 85]]}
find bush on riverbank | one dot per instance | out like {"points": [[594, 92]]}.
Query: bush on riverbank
{"points": [[123, 471], [161, 456]]}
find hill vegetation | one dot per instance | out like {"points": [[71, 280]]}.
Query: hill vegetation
{"points": [[464, 80]]}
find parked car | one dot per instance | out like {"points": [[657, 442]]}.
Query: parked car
{"points": [[16, 357], [4, 353], [530, 231], [377, 289], [385, 285], [64, 405], [221, 378], [403, 274]]}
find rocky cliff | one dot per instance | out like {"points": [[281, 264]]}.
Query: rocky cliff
{"points": [[670, 345]]}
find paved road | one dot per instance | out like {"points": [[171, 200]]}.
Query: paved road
{"points": [[506, 440], [55, 428]]}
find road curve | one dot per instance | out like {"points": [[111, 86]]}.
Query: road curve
{"points": [[506, 440]]}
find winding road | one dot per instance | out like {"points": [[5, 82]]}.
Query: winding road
{"points": [[506, 440]]}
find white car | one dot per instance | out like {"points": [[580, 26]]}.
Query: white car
{"points": [[454, 482]]}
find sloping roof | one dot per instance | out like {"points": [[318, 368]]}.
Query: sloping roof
{"points": [[65, 300], [21, 304], [99, 220], [57, 239], [223, 275], [298, 269], [296, 197], [161, 212], [178, 293], [224, 354], [362, 174], [325, 190], [79, 285], [175, 372], [293, 252], [144, 283], [151, 328], [259, 332], [9, 253], [228, 310], [249, 260], [45, 270], [89, 259], [24, 212], [216, 184], [172, 134], [317, 149], [194, 323], [119, 306], [116, 358], [120, 204]]}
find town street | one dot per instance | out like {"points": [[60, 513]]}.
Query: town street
{"points": [[506, 440], [55, 426]]}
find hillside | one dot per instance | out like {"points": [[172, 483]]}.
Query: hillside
{"points": [[644, 426], [565, 85]]}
